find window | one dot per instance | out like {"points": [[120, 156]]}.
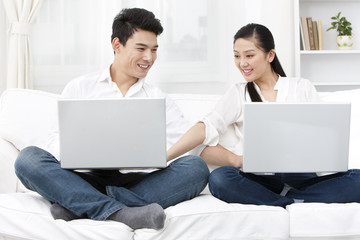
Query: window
{"points": [[72, 38]]}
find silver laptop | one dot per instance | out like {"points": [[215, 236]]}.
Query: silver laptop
{"points": [[296, 137], [112, 133]]}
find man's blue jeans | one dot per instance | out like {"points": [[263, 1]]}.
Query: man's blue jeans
{"points": [[99, 194], [234, 186]]}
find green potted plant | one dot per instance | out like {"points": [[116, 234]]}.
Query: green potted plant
{"points": [[344, 39]]}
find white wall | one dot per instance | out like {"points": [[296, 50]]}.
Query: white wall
{"points": [[3, 44], [277, 15]]}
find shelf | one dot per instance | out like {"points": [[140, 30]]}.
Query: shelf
{"points": [[313, 52], [336, 83], [322, 1], [329, 69]]}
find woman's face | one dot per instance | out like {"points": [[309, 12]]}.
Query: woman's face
{"points": [[253, 62]]}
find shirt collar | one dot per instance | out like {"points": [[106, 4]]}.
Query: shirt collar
{"points": [[278, 83], [136, 87], [283, 87], [259, 92], [106, 77]]}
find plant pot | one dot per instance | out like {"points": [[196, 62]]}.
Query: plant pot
{"points": [[344, 42]]}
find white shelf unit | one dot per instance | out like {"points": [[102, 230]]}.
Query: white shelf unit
{"points": [[329, 69]]}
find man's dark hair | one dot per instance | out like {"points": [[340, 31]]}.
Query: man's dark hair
{"points": [[131, 19]]}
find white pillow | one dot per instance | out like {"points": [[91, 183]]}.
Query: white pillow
{"points": [[26, 116], [352, 96], [195, 106]]}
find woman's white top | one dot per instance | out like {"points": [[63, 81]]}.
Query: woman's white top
{"points": [[224, 125]]}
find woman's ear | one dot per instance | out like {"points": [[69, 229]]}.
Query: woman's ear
{"points": [[271, 55]]}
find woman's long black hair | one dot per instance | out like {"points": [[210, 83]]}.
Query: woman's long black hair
{"points": [[263, 40]]}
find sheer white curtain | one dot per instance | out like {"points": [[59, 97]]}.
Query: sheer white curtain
{"points": [[71, 38], [21, 14], [3, 47]]}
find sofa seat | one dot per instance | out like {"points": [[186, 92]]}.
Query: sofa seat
{"points": [[27, 216]]}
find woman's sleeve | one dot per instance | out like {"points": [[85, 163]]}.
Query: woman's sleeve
{"points": [[226, 112], [310, 91]]}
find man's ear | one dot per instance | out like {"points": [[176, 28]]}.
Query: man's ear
{"points": [[116, 44]]}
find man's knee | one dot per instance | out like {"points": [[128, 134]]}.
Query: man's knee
{"points": [[28, 159], [195, 164], [193, 171]]}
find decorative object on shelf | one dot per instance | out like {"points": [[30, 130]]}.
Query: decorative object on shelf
{"points": [[344, 39]]}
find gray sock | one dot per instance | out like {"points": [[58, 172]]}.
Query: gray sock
{"points": [[59, 212], [149, 216]]}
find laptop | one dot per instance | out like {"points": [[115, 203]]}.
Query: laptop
{"points": [[112, 133], [296, 137]]}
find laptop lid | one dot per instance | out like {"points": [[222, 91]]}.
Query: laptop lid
{"points": [[112, 133], [296, 137]]}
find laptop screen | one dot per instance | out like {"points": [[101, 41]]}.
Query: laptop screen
{"points": [[112, 133], [296, 137]]}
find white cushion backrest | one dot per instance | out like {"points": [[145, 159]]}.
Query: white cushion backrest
{"points": [[26, 116], [195, 106], [352, 96]]}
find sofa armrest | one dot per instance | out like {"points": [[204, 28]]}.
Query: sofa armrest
{"points": [[8, 179]]}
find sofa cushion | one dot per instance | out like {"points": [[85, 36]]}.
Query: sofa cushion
{"points": [[206, 217], [26, 117], [195, 106], [8, 179], [27, 216], [324, 220], [353, 97]]}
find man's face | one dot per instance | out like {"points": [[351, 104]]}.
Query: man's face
{"points": [[138, 55]]}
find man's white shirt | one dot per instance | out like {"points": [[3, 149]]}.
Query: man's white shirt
{"points": [[100, 85]]}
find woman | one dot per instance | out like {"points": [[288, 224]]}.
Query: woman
{"points": [[255, 57]]}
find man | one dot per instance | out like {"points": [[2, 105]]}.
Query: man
{"points": [[136, 199]]}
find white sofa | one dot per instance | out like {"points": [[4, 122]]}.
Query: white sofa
{"points": [[25, 118]]}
